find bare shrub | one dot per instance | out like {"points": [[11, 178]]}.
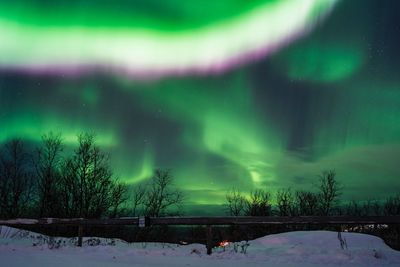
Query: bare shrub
{"points": [[285, 202], [236, 202], [307, 203], [392, 205], [258, 204]]}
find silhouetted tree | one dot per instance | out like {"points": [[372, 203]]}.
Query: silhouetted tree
{"points": [[354, 208], [285, 202], [47, 162], [307, 203], [15, 180], [258, 204], [364, 208], [329, 192], [138, 199], [69, 189], [236, 202], [118, 197], [376, 208], [88, 187], [392, 205], [160, 195]]}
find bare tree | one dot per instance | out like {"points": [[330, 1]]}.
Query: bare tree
{"points": [[139, 193], [285, 202], [69, 189], [392, 205], [329, 191], [258, 204], [376, 208], [118, 197], [15, 180], [47, 163], [236, 202], [354, 208], [88, 185], [307, 203], [160, 195]]}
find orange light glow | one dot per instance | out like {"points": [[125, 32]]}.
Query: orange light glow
{"points": [[224, 243]]}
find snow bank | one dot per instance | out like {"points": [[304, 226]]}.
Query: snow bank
{"points": [[305, 248]]}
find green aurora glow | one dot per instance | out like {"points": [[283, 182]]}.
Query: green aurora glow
{"points": [[329, 100], [144, 51]]}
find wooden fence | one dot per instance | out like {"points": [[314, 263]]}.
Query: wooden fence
{"points": [[80, 223]]}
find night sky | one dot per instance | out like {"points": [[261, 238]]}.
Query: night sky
{"points": [[228, 93]]}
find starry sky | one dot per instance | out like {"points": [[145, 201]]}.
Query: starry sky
{"points": [[228, 93]]}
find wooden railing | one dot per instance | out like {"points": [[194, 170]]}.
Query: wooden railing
{"points": [[207, 221]]}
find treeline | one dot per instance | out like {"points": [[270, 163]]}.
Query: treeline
{"points": [[47, 182], [324, 200]]}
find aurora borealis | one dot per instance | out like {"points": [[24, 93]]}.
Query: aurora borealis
{"points": [[228, 93], [86, 42]]}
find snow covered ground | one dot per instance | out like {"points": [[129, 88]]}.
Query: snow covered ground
{"points": [[312, 248]]}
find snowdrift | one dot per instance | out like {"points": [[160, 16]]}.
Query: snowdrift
{"points": [[303, 248]]}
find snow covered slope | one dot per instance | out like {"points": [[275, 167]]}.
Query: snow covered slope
{"points": [[312, 248]]}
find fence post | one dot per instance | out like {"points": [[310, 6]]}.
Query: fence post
{"points": [[80, 234], [209, 239]]}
